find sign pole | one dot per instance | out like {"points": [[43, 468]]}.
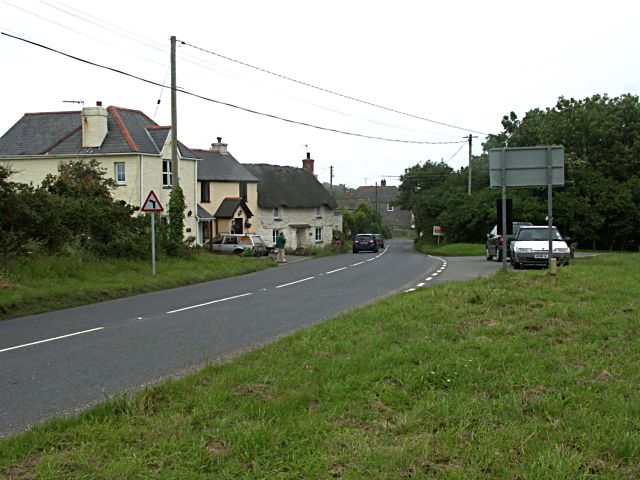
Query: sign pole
{"points": [[550, 203], [153, 243], [503, 175]]}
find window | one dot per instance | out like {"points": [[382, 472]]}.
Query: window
{"points": [[120, 177], [166, 173], [389, 207], [276, 213], [243, 191], [318, 234], [318, 212], [274, 235], [205, 192]]}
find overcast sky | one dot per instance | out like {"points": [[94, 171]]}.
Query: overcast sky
{"points": [[462, 63]]}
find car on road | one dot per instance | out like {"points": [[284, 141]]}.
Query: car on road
{"points": [[365, 242], [494, 241], [379, 239], [531, 246], [239, 243]]}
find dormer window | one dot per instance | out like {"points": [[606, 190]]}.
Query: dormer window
{"points": [[318, 212], [276, 213]]}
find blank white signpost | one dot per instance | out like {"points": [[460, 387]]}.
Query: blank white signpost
{"points": [[526, 167], [152, 205]]}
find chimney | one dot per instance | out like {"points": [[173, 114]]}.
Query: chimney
{"points": [[383, 183], [94, 126], [308, 163], [219, 147]]}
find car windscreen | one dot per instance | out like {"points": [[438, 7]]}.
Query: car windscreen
{"points": [[538, 234], [364, 238]]}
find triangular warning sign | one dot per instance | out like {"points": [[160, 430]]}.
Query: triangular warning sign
{"points": [[152, 204]]}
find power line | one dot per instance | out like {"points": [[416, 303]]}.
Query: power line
{"points": [[457, 151], [202, 97], [371, 104]]}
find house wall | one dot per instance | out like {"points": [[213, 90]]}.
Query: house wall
{"points": [[297, 216], [138, 182]]}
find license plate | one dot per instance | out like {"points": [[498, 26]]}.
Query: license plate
{"points": [[541, 255]]}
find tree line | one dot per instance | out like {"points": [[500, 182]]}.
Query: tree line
{"points": [[599, 205]]}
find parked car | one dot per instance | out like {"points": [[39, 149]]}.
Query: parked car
{"points": [[531, 247], [495, 241], [365, 242], [239, 243], [379, 239]]}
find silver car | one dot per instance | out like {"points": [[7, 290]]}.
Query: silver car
{"points": [[239, 243]]}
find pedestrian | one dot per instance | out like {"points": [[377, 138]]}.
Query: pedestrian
{"points": [[280, 243]]}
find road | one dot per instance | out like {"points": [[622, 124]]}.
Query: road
{"points": [[57, 363]]}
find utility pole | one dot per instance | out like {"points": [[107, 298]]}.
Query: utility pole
{"points": [[331, 179], [175, 181], [376, 196], [470, 137]]}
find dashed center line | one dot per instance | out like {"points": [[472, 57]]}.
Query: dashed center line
{"points": [[356, 264], [208, 303], [421, 284], [428, 279], [337, 270], [51, 339], [297, 281]]}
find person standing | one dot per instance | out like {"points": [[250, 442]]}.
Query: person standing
{"points": [[281, 241]]}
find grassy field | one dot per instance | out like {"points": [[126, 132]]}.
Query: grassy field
{"points": [[452, 249], [516, 376], [40, 284]]}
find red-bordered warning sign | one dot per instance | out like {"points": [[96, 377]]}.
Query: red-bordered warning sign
{"points": [[152, 204]]}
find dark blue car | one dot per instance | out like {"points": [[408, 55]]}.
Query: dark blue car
{"points": [[365, 242]]}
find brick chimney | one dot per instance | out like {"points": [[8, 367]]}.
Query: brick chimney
{"points": [[308, 163], [219, 147], [383, 183], [94, 126]]}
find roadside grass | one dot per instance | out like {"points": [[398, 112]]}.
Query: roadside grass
{"points": [[452, 249], [43, 283], [513, 376]]}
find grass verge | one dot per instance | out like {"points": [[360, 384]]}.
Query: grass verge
{"points": [[44, 283], [508, 377], [452, 249]]}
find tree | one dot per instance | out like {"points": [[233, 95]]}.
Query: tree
{"points": [[363, 219]]}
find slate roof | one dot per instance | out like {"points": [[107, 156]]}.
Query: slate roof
{"points": [[60, 133], [229, 206], [203, 214], [289, 187], [222, 167], [384, 194]]}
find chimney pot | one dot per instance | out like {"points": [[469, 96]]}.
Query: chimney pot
{"points": [[219, 139], [308, 155], [98, 103], [383, 183]]}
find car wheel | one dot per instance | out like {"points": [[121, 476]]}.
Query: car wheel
{"points": [[375, 251], [487, 255], [355, 251]]}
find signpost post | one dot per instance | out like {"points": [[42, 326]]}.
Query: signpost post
{"points": [[527, 167], [438, 232], [152, 205]]}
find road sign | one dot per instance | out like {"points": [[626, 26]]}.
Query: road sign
{"points": [[152, 204], [526, 167], [437, 231]]}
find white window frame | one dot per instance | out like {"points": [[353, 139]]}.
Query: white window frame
{"points": [[274, 235], [276, 213], [318, 212], [318, 234], [390, 208], [166, 173], [123, 180]]}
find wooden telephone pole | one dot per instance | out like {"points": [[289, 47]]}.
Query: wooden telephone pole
{"points": [[175, 181], [470, 137]]}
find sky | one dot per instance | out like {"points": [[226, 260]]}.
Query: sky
{"points": [[460, 63]]}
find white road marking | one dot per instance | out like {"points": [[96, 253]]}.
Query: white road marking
{"points": [[435, 274], [297, 281], [334, 271], [428, 279], [421, 284], [208, 303], [410, 290], [356, 264], [51, 339], [371, 260]]}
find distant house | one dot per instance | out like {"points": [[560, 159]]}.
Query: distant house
{"points": [[227, 194], [384, 199], [131, 147], [292, 200]]}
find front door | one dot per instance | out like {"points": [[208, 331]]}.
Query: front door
{"points": [[236, 225], [300, 237]]}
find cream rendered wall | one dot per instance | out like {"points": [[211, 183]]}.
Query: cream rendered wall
{"points": [[296, 216], [31, 170]]}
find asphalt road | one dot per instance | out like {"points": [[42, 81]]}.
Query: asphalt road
{"points": [[57, 363]]}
